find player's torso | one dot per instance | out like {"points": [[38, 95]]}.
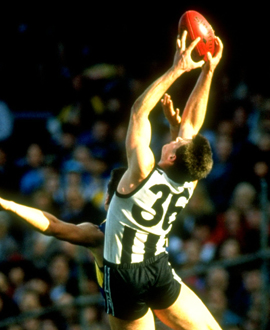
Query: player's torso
{"points": [[138, 223]]}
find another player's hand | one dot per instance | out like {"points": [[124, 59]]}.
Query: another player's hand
{"points": [[213, 61], [4, 203], [182, 57], [173, 116]]}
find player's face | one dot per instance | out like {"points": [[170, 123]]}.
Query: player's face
{"points": [[170, 148]]}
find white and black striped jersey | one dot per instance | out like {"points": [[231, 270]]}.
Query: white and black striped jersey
{"points": [[138, 223]]}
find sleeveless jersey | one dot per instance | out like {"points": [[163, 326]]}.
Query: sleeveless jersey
{"points": [[138, 223]]}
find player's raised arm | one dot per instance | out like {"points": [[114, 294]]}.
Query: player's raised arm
{"points": [[86, 234], [195, 109], [139, 155]]}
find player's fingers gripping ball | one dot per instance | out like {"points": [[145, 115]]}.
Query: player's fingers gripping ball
{"points": [[197, 26]]}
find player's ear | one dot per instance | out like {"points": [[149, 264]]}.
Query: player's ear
{"points": [[172, 157]]}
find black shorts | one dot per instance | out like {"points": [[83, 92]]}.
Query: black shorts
{"points": [[131, 289]]}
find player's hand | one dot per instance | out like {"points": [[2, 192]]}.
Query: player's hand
{"points": [[182, 58], [4, 203], [173, 116], [213, 61]]}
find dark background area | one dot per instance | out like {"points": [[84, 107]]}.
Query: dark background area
{"points": [[139, 35]]}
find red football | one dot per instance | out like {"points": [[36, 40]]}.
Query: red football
{"points": [[197, 26]]}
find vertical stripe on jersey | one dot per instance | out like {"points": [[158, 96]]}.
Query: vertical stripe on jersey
{"points": [[127, 244], [150, 246], [129, 237]]}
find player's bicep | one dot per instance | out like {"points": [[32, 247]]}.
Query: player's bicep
{"points": [[139, 154], [139, 130]]}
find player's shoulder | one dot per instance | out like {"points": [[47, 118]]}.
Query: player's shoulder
{"points": [[134, 178]]}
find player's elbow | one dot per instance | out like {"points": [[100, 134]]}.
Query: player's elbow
{"points": [[98, 240], [187, 131], [136, 105], [138, 109]]}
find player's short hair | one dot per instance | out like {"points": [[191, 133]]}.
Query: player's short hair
{"points": [[116, 175], [193, 160]]}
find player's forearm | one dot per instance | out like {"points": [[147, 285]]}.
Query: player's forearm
{"points": [[85, 234], [196, 107], [33, 216], [151, 96]]}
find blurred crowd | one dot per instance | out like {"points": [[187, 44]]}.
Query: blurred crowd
{"points": [[59, 160]]}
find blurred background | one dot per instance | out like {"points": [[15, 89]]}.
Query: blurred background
{"points": [[68, 77]]}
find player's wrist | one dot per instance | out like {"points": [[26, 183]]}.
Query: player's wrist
{"points": [[177, 71], [5, 204], [208, 72]]}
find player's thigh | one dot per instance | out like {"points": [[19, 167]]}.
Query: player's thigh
{"points": [[146, 322], [187, 312]]}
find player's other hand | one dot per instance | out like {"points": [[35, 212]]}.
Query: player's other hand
{"points": [[182, 58], [213, 61], [173, 116]]}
